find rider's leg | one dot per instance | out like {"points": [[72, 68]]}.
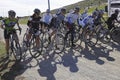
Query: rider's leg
{"points": [[6, 37], [37, 42], [7, 46], [29, 34], [72, 37]]}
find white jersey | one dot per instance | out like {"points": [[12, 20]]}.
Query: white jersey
{"points": [[84, 15], [46, 18], [71, 17], [87, 20]]}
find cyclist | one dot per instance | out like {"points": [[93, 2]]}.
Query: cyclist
{"points": [[8, 25], [111, 20], [34, 26], [46, 20], [61, 16], [99, 16], [70, 19], [88, 21], [57, 20]]}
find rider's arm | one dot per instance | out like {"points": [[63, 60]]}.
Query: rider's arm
{"points": [[18, 25], [29, 22]]}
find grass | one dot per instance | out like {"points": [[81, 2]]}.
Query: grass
{"points": [[23, 20], [2, 49]]}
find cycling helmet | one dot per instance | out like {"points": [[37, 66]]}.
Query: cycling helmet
{"points": [[37, 10], [63, 9], [77, 8], [11, 13], [48, 11], [117, 11]]}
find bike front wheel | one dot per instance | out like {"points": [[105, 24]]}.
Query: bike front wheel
{"points": [[35, 51]]}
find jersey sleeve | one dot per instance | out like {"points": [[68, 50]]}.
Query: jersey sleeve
{"points": [[2, 22]]}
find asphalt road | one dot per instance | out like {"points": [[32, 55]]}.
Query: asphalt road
{"points": [[101, 62]]}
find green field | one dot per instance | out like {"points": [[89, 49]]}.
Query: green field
{"points": [[2, 49]]}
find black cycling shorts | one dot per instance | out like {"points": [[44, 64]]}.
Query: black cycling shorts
{"points": [[7, 34]]}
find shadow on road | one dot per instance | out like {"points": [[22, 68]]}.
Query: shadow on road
{"points": [[69, 59]]}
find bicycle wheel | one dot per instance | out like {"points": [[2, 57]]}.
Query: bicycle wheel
{"points": [[115, 35], [24, 43], [90, 38], [58, 43], [34, 51], [67, 41], [104, 36], [16, 50], [45, 39], [77, 35]]}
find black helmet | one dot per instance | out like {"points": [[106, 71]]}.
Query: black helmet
{"points": [[11, 13], [37, 10], [77, 8], [116, 11], [63, 9]]}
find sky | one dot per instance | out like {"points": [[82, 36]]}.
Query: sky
{"points": [[26, 7]]}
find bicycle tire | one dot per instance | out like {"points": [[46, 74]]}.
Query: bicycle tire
{"points": [[58, 43], [67, 41], [24, 43], [91, 39], [45, 39], [35, 53], [16, 50], [104, 36], [115, 35]]}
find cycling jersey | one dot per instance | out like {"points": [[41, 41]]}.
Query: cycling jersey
{"points": [[84, 15], [86, 21], [60, 18], [34, 22], [9, 23], [71, 18], [47, 17]]}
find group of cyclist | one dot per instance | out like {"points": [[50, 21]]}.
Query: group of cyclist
{"points": [[48, 20]]}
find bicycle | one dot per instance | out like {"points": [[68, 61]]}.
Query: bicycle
{"points": [[31, 44], [57, 40], [15, 48], [88, 35], [45, 37], [68, 40], [103, 33], [115, 33]]}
